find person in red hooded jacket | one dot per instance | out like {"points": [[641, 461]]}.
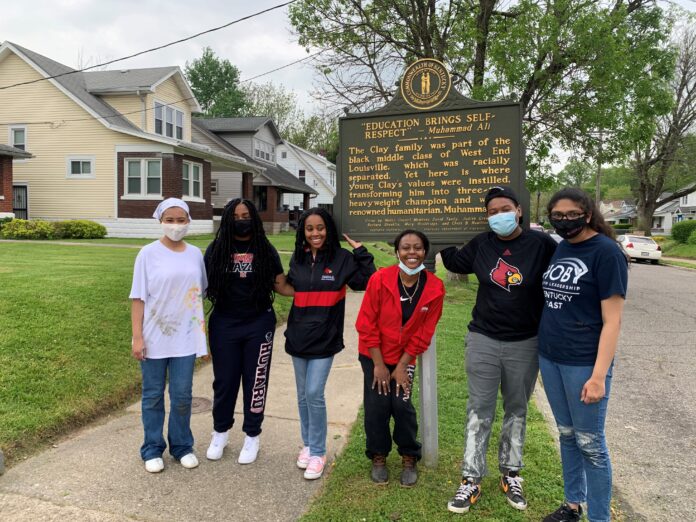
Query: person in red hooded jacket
{"points": [[396, 322]]}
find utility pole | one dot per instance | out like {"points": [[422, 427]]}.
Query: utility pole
{"points": [[598, 178]]}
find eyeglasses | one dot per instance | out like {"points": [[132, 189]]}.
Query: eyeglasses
{"points": [[568, 215]]}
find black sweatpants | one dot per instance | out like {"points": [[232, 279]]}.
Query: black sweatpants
{"points": [[378, 411], [241, 353]]}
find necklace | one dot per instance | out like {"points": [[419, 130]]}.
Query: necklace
{"points": [[409, 297]]}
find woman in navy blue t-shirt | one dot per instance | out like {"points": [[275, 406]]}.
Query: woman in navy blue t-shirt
{"points": [[584, 291]]}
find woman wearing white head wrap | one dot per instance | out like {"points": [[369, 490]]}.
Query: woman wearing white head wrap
{"points": [[168, 333]]}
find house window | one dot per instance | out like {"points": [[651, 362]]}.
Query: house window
{"points": [[264, 151], [332, 176], [684, 199], [80, 167], [213, 186], [191, 180], [169, 121], [301, 175], [283, 154], [18, 137], [143, 177]]}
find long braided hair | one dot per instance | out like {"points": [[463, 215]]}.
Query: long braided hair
{"points": [[219, 273], [332, 243]]}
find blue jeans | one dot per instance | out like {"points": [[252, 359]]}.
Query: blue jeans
{"points": [[179, 434], [584, 453], [310, 379]]}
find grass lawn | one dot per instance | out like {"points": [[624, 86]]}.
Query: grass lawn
{"points": [[350, 495], [671, 248]]}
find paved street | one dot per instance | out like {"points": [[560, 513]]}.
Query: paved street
{"points": [[651, 427]]}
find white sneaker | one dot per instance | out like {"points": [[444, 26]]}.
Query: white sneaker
{"points": [[250, 450], [189, 461], [217, 445], [154, 465]]}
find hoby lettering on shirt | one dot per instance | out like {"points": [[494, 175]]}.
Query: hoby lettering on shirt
{"points": [[242, 263], [561, 281]]}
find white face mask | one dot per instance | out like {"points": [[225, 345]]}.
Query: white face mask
{"points": [[175, 232]]}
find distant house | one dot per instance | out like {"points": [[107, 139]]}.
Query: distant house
{"points": [[107, 145], [681, 209], [257, 140], [618, 212], [313, 169]]}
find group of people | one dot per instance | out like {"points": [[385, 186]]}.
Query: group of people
{"points": [[539, 306]]}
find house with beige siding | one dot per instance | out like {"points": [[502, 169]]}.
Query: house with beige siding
{"points": [[106, 145]]}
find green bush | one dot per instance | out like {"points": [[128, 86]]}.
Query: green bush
{"points": [[23, 229], [682, 230], [3, 221], [79, 229], [692, 238]]}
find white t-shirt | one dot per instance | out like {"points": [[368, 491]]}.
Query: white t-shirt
{"points": [[171, 284]]}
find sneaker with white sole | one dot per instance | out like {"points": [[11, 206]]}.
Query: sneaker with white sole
{"points": [[189, 461], [217, 445], [250, 450], [511, 484], [303, 458], [154, 465], [315, 468]]}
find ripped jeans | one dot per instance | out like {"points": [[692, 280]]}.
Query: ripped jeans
{"points": [[512, 367], [584, 454]]}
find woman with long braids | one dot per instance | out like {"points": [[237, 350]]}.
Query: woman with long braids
{"points": [[584, 289], [244, 271], [319, 271]]}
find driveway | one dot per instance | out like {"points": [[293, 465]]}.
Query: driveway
{"points": [[651, 426]]}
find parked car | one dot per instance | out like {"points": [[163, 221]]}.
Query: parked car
{"points": [[555, 237], [536, 226], [641, 248]]}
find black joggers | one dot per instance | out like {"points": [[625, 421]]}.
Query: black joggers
{"points": [[241, 352], [378, 411]]}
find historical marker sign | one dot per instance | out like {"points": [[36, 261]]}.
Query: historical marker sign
{"points": [[426, 160]]}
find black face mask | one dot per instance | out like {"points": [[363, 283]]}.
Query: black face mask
{"points": [[242, 227], [568, 228]]}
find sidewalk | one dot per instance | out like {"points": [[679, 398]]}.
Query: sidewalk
{"points": [[96, 474]]}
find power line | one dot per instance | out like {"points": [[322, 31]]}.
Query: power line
{"points": [[207, 31], [283, 66]]}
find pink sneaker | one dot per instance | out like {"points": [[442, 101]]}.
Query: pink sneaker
{"points": [[315, 468], [303, 458]]}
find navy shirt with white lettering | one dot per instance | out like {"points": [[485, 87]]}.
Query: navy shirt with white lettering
{"points": [[580, 276]]}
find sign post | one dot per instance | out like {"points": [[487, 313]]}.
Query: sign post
{"points": [[425, 161]]}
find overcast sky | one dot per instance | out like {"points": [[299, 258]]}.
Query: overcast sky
{"points": [[82, 32]]}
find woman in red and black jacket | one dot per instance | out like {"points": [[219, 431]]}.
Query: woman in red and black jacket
{"points": [[319, 271], [397, 320]]}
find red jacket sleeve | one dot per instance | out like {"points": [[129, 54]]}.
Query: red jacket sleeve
{"points": [[420, 341], [368, 316]]}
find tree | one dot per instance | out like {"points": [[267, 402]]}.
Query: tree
{"points": [[274, 101], [317, 133], [657, 158], [215, 83], [576, 173], [574, 66]]}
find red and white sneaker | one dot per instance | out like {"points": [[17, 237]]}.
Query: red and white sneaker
{"points": [[303, 458], [315, 468]]}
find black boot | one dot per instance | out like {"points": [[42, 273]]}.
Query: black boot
{"points": [[409, 474], [379, 473]]}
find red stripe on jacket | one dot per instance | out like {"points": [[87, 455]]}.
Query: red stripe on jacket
{"points": [[304, 299]]}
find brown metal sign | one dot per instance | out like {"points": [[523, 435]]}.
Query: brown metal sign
{"points": [[426, 160]]}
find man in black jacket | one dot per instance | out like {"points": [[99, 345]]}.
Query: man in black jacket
{"points": [[501, 346]]}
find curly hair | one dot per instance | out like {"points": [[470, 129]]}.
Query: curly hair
{"points": [[588, 206], [222, 250], [332, 243]]}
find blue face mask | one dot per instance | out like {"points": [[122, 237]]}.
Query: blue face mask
{"points": [[411, 271], [503, 223]]}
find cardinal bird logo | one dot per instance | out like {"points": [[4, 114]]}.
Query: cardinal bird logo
{"points": [[505, 275]]}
